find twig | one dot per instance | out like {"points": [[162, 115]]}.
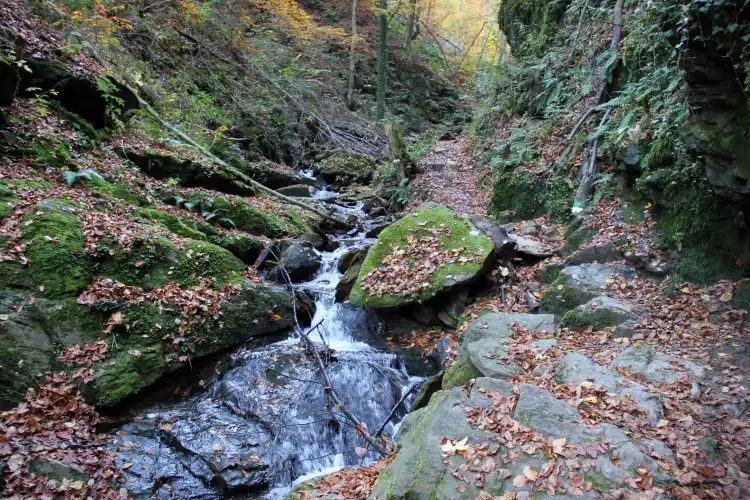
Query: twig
{"points": [[580, 122], [395, 407], [589, 169]]}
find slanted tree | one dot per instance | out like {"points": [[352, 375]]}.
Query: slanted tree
{"points": [[382, 58]]}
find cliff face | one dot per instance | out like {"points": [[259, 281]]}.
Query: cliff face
{"points": [[675, 137]]}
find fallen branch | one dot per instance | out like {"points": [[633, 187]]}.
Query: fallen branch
{"points": [[580, 122], [395, 407], [586, 187]]}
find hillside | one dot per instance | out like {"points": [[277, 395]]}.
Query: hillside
{"points": [[221, 276]]}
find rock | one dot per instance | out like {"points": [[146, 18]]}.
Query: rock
{"points": [[657, 368], [455, 303], [346, 283], [298, 191], [505, 246], [533, 248], [549, 272], [56, 471], [574, 368], [375, 231], [529, 228], [599, 313], [9, 79], [447, 320], [484, 342], [346, 168], [244, 247], [272, 175], [424, 314], [300, 260], [603, 253], [175, 164], [317, 240], [483, 387], [577, 238], [78, 94], [428, 388], [468, 254], [625, 330], [574, 286]]}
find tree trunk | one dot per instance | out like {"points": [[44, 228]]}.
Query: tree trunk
{"points": [[352, 60], [382, 59], [397, 149], [410, 23]]}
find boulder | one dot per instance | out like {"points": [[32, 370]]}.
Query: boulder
{"points": [[574, 286], [300, 260], [601, 253], [297, 191], [599, 313], [656, 368], [533, 248], [78, 94], [317, 240], [550, 271], [346, 283], [505, 246], [426, 253], [347, 168], [575, 368], [484, 340], [245, 247], [273, 175]]}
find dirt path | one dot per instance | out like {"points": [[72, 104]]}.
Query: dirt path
{"points": [[447, 176]]}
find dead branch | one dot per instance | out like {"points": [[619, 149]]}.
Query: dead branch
{"points": [[580, 122], [586, 186], [395, 407]]}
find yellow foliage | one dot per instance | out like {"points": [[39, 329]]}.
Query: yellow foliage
{"points": [[290, 14], [101, 22]]}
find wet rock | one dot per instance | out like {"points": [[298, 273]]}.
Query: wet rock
{"points": [[346, 283], [625, 330], [473, 255], [657, 368], [574, 286], [424, 314], [602, 253], [375, 231], [599, 313], [317, 240], [299, 259], [575, 368], [484, 342], [296, 191]]}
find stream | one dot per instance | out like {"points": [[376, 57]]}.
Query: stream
{"points": [[264, 424]]}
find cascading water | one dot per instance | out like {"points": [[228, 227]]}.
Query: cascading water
{"points": [[268, 421]]}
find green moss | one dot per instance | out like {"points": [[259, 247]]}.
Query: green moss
{"points": [[530, 24], [6, 202], [131, 369], [206, 259], [549, 272], [172, 222], [348, 167], [113, 190], [56, 248], [418, 224], [556, 300], [599, 318], [234, 212], [459, 373], [576, 239], [149, 263], [521, 195], [244, 247], [27, 184]]}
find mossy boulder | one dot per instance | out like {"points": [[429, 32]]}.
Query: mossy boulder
{"points": [[345, 168], [56, 248], [189, 169], [141, 356], [154, 259], [471, 254], [31, 337], [575, 286], [460, 372], [245, 247], [270, 174], [598, 313], [235, 213], [521, 195], [178, 226]]}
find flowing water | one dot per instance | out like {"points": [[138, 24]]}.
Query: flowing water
{"points": [[267, 422]]}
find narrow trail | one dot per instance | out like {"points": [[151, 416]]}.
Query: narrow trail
{"points": [[447, 176]]}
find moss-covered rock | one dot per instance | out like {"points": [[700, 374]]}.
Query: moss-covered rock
{"points": [[522, 195], [114, 190], [348, 167], [141, 356], [234, 212], [598, 313], [56, 248], [473, 252], [244, 247], [575, 286], [459, 373], [178, 226]]}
